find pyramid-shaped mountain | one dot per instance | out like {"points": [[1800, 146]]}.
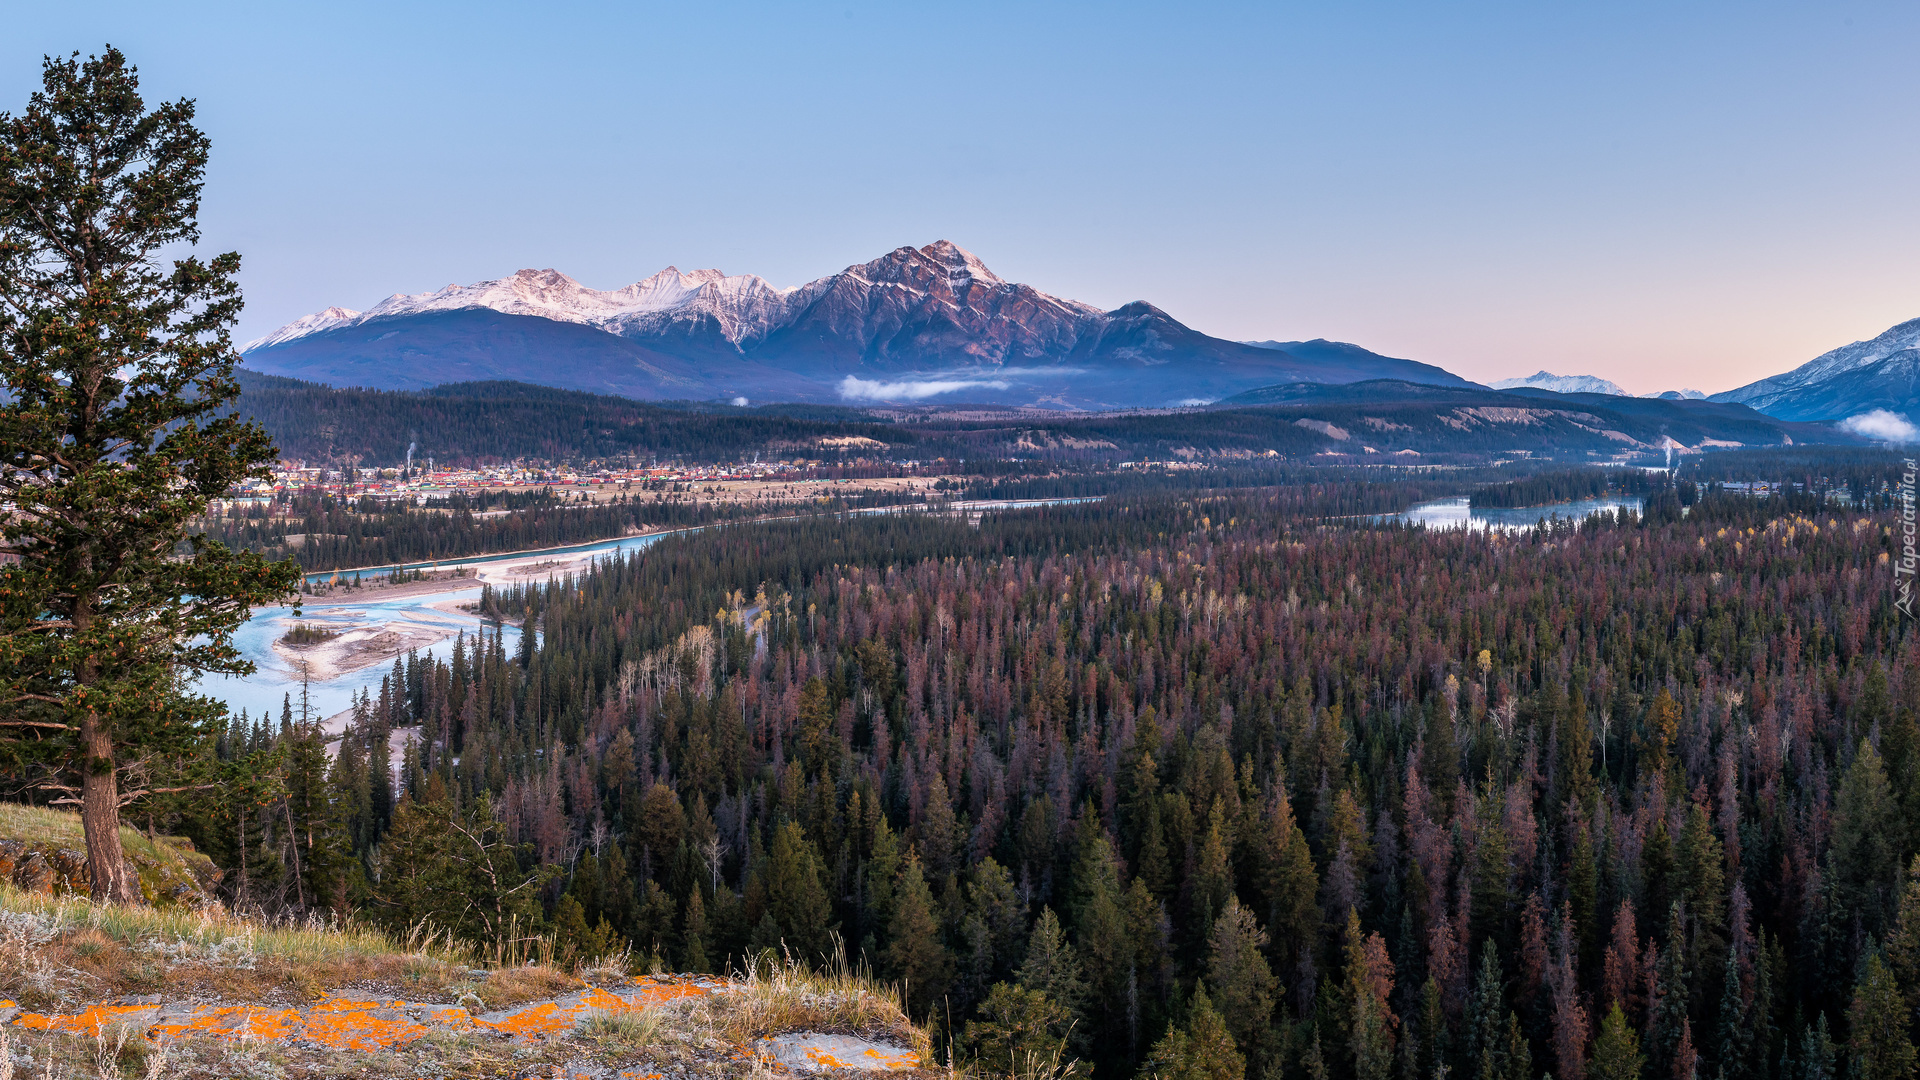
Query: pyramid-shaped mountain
{"points": [[916, 325]]}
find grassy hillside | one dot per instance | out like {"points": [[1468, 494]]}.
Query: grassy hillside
{"points": [[43, 851], [108, 992]]}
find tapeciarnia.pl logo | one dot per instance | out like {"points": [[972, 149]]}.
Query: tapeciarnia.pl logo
{"points": [[1909, 560]]}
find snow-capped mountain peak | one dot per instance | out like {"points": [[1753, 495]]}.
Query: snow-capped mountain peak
{"points": [[916, 322], [1827, 365], [1562, 384], [743, 308], [306, 324], [962, 265], [548, 294]]}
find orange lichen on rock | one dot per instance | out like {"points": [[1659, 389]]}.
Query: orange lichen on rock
{"points": [[655, 992], [354, 1025], [345, 1023], [555, 1017], [904, 1059], [89, 1022], [542, 1019], [232, 1022], [807, 1051]]}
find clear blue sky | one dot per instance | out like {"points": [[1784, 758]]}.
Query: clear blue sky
{"points": [[1660, 193]]}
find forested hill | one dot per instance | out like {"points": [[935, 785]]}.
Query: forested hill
{"points": [[505, 421], [1580, 800], [1380, 422]]}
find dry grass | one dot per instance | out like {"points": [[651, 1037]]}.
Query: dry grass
{"points": [[509, 986], [58, 951], [780, 994], [624, 1030]]}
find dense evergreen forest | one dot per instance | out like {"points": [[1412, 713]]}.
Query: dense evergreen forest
{"points": [[1541, 489], [1182, 777], [323, 532], [468, 423]]}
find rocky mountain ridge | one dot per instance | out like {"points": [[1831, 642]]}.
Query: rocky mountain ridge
{"points": [[912, 325]]}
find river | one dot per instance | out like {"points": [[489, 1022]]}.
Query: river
{"points": [[438, 614]]}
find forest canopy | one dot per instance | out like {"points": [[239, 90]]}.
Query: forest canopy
{"points": [[1191, 778]]}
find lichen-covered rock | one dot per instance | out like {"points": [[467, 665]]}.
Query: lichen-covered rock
{"points": [[812, 1051]]}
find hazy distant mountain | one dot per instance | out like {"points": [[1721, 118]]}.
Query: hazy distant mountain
{"points": [[1682, 394], [922, 324], [1881, 373], [1562, 384], [1391, 416]]}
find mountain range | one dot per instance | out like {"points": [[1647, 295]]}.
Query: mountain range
{"points": [[1563, 384], [1882, 373], [916, 324]]}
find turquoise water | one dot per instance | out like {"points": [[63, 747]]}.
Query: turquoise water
{"points": [[273, 680]]}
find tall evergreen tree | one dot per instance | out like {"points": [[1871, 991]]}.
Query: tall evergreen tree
{"points": [[1242, 982], [1053, 969], [914, 954], [1616, 1051], [798, 915], [1369, 985], [118, 372], [1879, 1026], [1667, 1011], [1864, 856], [1203, 1051], [1486, 1013]]}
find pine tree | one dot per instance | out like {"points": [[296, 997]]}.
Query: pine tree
{"points": [[1435, 1046], [694, 932], [1485, 1026], [1879, 1025], [1616, 1052], [994, 903], [1101, 931], [1863, 857], [914, 955], [1663, 725], [656, 930], [1053, 969], [115, 432], [1020, 1032], [1204, 1051], [1903, 944], [1736, 1026], [1290, 886], [1667, 1019], [1369, 984], [1819, 1056], [1212, 880], [1900, 746], [1620, 970], [797, 903], [883, 869], [453, 871], [1517, 1062], [1241, 980]]}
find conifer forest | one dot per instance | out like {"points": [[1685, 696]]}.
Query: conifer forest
{"points": [[884, 665], [1190, 781]]}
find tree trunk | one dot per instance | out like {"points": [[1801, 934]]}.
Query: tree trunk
{"points": [[100, 815]]}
